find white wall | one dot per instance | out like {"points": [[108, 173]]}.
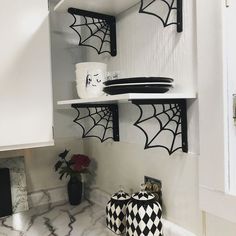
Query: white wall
{"points": [[126, 164], [145, 48]]}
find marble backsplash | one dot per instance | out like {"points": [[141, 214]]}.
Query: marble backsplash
{"points": [[16, 166]]}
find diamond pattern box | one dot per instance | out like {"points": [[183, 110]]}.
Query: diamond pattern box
{"points": [[116, 212], [143, 216]]}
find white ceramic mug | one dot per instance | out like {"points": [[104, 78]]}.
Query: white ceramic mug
{"points": [[90, 77]]}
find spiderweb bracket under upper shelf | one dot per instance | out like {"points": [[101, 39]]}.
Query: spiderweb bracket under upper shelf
{"points": [[98, 121], [95, 30], [170, 12]]}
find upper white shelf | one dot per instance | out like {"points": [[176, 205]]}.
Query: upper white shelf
{"points": [[109, 7], [124, 98]]}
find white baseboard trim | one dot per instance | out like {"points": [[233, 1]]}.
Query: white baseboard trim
{"points": [[218, 203], [171, 229]]}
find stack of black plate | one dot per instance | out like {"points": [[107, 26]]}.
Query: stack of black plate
{"points": [[138, 85]]}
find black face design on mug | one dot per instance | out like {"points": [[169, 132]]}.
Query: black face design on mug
{"points": [[94, 79]]}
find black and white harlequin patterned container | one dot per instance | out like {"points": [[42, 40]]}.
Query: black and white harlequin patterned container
{"points": [[116, 211], [143, 215]]}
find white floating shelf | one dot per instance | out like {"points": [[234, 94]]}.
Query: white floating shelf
{"points": [[109, 7], [124, 98]]}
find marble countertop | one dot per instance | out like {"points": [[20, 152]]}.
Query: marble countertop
{"points": [[61, 219]]}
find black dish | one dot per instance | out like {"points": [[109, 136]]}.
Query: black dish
{"points": [[139, 80], [137, 89]]}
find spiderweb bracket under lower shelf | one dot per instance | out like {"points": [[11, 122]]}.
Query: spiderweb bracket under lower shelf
{"points": [[95, 30], [156, 8], [103, 117], [171, 118]]}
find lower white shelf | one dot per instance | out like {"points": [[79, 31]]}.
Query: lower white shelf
{"points": [[106, 115], [124, 98]]}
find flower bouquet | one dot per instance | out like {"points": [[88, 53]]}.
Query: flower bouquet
{"points": [[74, 167]]}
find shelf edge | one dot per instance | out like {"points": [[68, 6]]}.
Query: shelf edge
{"points": [[124, 98]]}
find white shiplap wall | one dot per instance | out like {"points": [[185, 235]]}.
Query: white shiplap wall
{"points": [[146, 48]]}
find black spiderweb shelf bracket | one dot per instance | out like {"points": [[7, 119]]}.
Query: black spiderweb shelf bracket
{"points": [[174, 123], [100, 28], [104, 117], [148, 7]]}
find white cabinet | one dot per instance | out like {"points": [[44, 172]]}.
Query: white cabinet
{"points": [[26, 113], [216, 84]]}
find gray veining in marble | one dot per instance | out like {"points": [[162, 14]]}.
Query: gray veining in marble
{"points": [[60, 219], [18, 182]]}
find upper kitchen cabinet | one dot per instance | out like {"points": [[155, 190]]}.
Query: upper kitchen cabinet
{"points": [[26, 110]]}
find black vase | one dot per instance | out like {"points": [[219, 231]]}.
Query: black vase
{"points": [[75, 188]]}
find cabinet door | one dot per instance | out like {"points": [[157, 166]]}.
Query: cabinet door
{"points": [[25, 75]]}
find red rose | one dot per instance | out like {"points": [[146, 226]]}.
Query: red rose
{"points": [[80, 162]]}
